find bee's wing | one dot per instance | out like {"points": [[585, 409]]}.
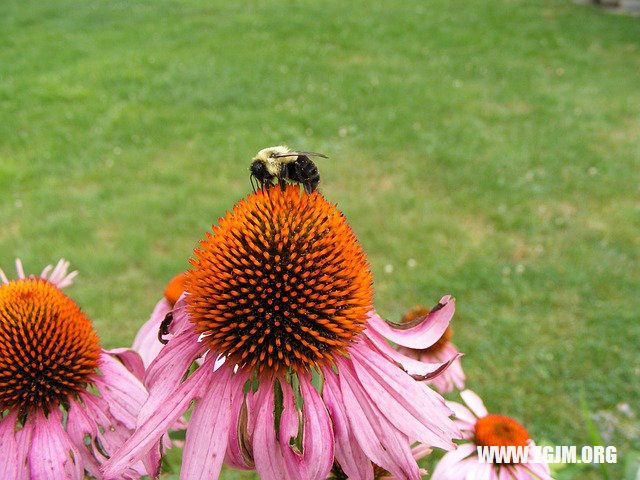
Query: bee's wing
{"points": [[298, 154]]}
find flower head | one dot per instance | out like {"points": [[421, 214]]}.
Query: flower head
{"points": [[441, 351], [49, 356], [282, 282], [295, 370], [48, 348], [482, 429]]}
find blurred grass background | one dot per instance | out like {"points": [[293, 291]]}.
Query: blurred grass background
{"points": [[485, 149]]}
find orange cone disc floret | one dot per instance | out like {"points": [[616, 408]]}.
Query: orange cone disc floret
{"points": [[421, 312], [48, 347], [282, 282], [174, 288], [500, 431]]}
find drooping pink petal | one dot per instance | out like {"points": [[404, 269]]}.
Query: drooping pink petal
{"points": [[267, 454], [316, 459], [411, 406], [181, 319], [504, 474], [382, 442], [419, 336], [130, 358], [52, 454], [80, 424], [474, 402], [420, 451], [417, 369], [23, 443], [210, 421], [10, 465], [155, 425], [168, 369], [124, 392], [146, 342], [453, 376], [92, 419], [352, 459], [239, 450]]}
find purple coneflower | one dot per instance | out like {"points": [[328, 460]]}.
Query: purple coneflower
{"points": [[440, 351], [482, 429], [59, 417], [282, 292]]}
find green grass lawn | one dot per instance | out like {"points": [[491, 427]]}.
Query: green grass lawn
{"points": [[485, 149]]}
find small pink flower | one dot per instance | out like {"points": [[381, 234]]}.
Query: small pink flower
{"points": [[53, 425], [147, 342], [481, 429], [441, 351], [296, 371]]}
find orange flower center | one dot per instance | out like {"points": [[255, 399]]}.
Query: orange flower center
{"points": [[420, 312], [175, 287], [282, 282], [48, 348], [500, 431]]}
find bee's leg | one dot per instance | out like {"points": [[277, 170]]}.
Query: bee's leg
{"points": [[283, 175]]}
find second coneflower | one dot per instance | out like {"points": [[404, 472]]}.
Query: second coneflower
{"points": [[281, 292], [59, 417]]}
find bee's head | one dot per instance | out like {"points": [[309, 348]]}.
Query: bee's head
{"points": [[265, 154]]}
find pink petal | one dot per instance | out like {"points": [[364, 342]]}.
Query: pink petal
{"points": [[92, 418], [23, 443], [353, 461], [412, 407], [418, 369], [122, 390], [266, 449], [503, 474], [166, 372], [465, 420], [474, 402], [181, 318], [540, 470], [420, 451], [79, 424], [422, 335], [455, 370], [149, 433], [316, 460], [146, 341], [239, 451], [208, 431], [482, 471], [50, 456], [451, 460], [10, 466], [377, 436], [130, 359]]}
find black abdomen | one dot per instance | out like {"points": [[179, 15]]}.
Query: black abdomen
{"points": [[304, 171]]}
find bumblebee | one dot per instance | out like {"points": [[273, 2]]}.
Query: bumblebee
{"points": [[279, 164]]}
